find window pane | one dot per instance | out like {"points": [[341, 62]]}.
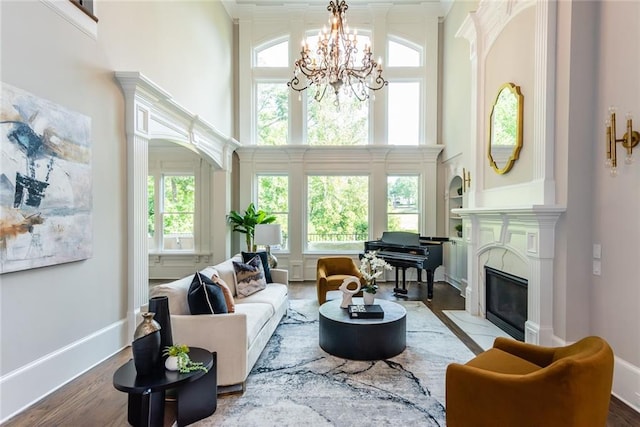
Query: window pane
{"points": [[273, 198], [330, 125], [178, 212], [401, 55], [274, 56], [404, 113], [338, 213], [272, 113], [403, 204]]}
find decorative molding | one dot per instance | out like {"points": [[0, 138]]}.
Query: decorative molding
{"points": [[75, 16], [151, 113]]}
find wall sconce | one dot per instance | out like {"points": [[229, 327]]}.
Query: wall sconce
{"points": [[466, 179], [629, 140]]}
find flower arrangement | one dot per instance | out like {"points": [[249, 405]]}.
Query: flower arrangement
{"points": [[184, 363], [371, 268]]}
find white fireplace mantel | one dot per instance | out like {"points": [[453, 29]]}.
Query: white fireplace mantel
{"points": [[529, 234]]}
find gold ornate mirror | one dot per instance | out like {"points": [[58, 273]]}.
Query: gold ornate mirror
{"points": [[505, 128]]}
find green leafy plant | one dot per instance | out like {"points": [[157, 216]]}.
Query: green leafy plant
{"points": [[458, 227], [247, 222], [181, 353]]}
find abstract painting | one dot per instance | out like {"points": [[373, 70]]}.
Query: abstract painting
{"points": [[45, 182]]}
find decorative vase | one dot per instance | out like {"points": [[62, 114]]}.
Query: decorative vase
{"points": [[171, 364], [146, 345], [160, 306], [347, 294], [368, 297]]}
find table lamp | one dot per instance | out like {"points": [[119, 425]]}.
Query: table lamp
{"points": [[267, 235]]}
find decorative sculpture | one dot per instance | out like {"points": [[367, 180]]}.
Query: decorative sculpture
{"points": [[347, 294]]}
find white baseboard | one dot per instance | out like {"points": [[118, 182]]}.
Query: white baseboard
{"points": [[24, 386], [626, 383]]}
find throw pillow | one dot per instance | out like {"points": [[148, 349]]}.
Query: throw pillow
{"points": [[205, 297], [246, 256], [249, 277], [228, 298]]}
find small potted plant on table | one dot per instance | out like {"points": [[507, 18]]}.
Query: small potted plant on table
{"points": [[178, 359]]}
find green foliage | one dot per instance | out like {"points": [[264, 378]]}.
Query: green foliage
{"points": [[273, 113], [247, 222], [338, 205], [326, 124], [185, 364]]}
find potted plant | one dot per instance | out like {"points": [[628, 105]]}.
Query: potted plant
{"points": [[458, 228], [371, 268], [178, 359], [246, 223]]}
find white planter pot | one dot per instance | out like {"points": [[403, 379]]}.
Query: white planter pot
{"points": [[171, 363], [368, 298]]}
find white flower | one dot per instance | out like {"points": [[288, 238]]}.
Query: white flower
{"points": [[372, 267]]}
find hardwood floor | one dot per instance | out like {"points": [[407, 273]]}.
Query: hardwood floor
{"points": [[91, 400]]}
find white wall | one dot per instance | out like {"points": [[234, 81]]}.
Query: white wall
{"points": [[58, 321]]}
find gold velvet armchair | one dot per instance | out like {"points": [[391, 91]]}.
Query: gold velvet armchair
{"points": [[519, 384], [330, 273]]}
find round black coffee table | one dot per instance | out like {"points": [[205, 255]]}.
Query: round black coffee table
{"points": [[196, 392], [363, 339]]}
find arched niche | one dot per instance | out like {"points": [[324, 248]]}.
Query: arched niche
{"points": [[151, 113]]}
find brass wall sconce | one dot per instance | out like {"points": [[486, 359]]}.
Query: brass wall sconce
{"points": [[466, 179], [629, 140]]}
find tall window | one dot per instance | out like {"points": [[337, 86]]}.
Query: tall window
{"points": [[273, 197], [404, 96], [171, 218], [326, 124], [404, 113], [337, 212], [273, 113], [272, 97], [403, 204]]}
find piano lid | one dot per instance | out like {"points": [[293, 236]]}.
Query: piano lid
{"points": [[403, 238]]}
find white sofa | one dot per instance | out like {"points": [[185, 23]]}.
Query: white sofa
{"points": [[238, 337]]}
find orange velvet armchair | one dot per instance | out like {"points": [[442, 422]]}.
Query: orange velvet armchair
{"points": [[519, 384], [331, 272]]}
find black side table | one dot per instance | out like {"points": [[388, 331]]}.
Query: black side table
{"points": [[196, 392]]}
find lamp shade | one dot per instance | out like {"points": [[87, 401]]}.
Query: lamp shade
{"points": [[268, 234]]}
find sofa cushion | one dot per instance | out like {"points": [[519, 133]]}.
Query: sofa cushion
{"points": [[205, 297], [258, 315], [273, 294], [246, 256], [226, 291], [177, 292], [227, 273], [497, 360], [249, 277]]}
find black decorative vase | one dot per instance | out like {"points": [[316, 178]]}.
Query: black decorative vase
{"points": [[146, 345], [160, 306]]}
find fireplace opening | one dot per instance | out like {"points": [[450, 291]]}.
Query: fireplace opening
{"points": [[506, 298]]}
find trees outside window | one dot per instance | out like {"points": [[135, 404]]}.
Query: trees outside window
{"points": [[403, 204], [273, 198], [337, 212], [172, 212], [272, 110]]}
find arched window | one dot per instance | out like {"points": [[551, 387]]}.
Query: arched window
{"points": [[272, 54]]}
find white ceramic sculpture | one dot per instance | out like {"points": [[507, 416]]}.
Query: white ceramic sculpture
{"points": [[347, 294]]}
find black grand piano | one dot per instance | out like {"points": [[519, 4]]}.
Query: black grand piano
{"points": [[404, 250]]}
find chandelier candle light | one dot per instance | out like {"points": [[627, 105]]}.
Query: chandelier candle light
{"points": [[333, 63]]}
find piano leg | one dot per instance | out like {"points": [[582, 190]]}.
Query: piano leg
{"points": [[397, 290], [429, 285], [419, 275]]}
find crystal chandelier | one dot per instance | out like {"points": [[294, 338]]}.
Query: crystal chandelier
{"points": [[333, 63]]}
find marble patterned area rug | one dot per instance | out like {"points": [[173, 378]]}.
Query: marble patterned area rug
{"points": [[296, 383]]}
